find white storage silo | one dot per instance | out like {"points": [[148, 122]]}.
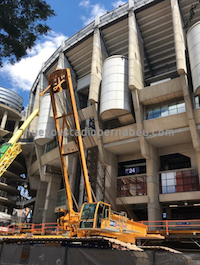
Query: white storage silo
{"points": [[193, 39], [45, 128], [115, 93]]}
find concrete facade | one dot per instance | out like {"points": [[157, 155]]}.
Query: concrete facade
{"points": [[161, 151]]}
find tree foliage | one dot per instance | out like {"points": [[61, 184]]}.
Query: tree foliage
{"points": [[21, 23]]}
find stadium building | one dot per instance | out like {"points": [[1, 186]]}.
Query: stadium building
{"points": [[136, 75]]}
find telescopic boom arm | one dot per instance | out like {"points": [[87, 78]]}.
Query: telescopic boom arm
{"points": [[10, 150]]}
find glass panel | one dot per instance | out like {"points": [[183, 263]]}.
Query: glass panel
{"points": [[188, 188], [195, 180], [148, 113], [88, 211], [135, 186], [171, 182], [194, 186], [171, 189], [164, 189], [180, 110], [180, 181], [181, 106], [170, 175], [187, 173], [179, 189], [164, 182], [197, 102], [164, 111], [172, 106], [194, 172], [163, 176], [179, 174], [156, 112], [139, 188], [187, 180], [173, 111]]}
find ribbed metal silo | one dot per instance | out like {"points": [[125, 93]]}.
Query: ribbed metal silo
{"points": [[45, 128], [193, 39], [115, 93]]}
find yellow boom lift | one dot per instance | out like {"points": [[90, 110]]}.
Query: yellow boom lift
{"points": [[94, 218], [10, 150]]}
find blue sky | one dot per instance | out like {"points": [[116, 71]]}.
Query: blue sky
{"points": [[71, 17]]}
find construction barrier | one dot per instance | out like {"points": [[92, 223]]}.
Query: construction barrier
{"points": [[59, 255]]}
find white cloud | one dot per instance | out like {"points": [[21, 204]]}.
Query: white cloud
{"points": [[85, 3], [118, 3], [94, 11], [23, 73]]}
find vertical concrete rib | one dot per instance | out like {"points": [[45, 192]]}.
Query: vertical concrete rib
{"points": [[179, 38], [190, 114], [154, 207], [39, 203], [41, 192], [136, 77], [191, 120], [147, 151], [51, 199], [63, 62], [152, 163], [111, 163], [71, 161], [99, 54], [135, 58]]}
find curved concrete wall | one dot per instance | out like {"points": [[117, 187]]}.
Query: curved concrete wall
{"points": [[115, 94], [45, 124], [193, 39]]}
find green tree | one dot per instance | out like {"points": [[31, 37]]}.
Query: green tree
{"points": [[21, 23]]}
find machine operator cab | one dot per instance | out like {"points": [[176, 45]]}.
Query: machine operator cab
{"points": [[93, 214]]}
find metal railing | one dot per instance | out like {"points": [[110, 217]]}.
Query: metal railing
{"points": [[113, 216], [170, 226], [35, 229], [160, 226]]}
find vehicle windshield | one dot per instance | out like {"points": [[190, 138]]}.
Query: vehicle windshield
{"points": [[88, 211]]}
